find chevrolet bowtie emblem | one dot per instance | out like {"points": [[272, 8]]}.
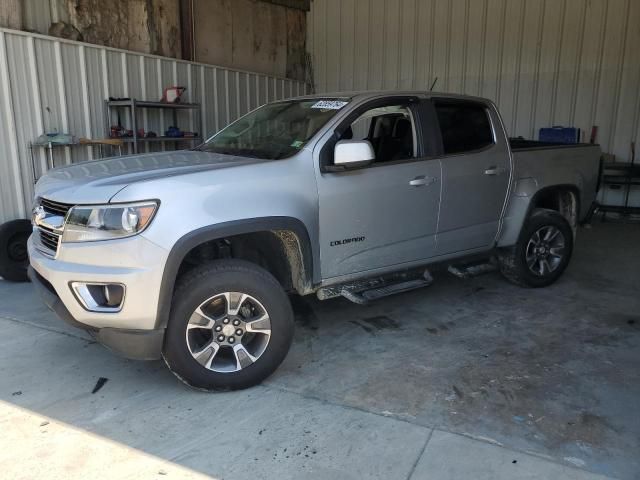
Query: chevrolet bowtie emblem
{"points": [[38, 214]]}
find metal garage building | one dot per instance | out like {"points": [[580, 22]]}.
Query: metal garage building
{"points": [[56, 85], [470, 378], [50, 84], [569, 62], [544, 62]]}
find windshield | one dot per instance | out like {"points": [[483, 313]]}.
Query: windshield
{"points": [[276, 130]]}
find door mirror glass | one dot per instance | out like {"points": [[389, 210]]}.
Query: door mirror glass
{"points": [[353, 153]]}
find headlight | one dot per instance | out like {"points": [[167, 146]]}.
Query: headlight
{"points": [[106, 222]]}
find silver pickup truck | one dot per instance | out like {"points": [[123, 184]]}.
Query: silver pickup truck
{"points": [[190, 255]]}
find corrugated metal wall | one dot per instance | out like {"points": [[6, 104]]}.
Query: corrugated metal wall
{"points": [[47, 84], [545, 62]]}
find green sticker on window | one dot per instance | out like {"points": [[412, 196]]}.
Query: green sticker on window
{"points": [[297, 143]]}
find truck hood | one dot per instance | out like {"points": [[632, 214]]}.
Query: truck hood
{"points": [[98, 181]]}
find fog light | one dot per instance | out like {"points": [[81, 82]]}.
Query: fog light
{"points": [[113, 295], [99, 297]]}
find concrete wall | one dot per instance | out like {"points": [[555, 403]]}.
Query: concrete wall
{"points": [[11, 14], [145, 26], [267, 36], [545, 62], [250, 34]]}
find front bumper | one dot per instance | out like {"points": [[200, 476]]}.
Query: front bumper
{"points": [[134, 344], [131, 332]]}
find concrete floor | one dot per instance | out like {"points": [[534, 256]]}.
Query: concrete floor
{"points": [[465, 379]]}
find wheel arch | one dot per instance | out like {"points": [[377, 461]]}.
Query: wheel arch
{"points": [[554, 197], [290, 233]]}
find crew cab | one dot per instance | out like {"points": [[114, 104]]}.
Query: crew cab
{"points": [[191, 255]]}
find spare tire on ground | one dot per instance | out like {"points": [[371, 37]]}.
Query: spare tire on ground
{"points": [[14, 258]]}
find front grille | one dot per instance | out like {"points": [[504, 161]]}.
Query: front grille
{"points": [[55, 208], [49, 239]]}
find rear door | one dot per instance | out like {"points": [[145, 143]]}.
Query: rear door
{"points": [[385, 214], [476, 169]]}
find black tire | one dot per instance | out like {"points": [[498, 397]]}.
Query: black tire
{"points": [[513, 261], [14, 259], [205, 282]]}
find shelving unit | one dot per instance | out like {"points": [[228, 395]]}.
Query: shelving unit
{"points": [[133, 105]]}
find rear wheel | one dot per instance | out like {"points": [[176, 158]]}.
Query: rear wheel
{"points": [[231, 326], [542, 253], [14, 259]]}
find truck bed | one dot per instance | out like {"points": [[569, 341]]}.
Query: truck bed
{"points": [[559, 164]]}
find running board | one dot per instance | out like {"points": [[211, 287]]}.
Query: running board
{"points": [[362, 298], [369, 290], [472, 269]]}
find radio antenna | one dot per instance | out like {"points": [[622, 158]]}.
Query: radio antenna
{"points": [[433, 84]]}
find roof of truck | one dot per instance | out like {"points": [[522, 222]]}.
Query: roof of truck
{"points": [[364, 94]]}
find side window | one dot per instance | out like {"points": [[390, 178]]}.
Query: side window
{"points": [[390, 130], [465, 126]]}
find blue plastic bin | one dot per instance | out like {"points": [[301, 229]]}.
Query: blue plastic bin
{"points": [[560, 135]]}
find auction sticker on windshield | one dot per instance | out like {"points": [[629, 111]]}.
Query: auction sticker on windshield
{"points": [[329, 104]]}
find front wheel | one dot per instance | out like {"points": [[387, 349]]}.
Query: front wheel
{"points": [[231, 325], [542, 253]]}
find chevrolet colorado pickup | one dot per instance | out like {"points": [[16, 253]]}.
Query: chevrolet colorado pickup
{"points": [[190, 255]]}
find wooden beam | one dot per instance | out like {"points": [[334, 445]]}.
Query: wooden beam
{"points": [[187, 29], [304, 5]]}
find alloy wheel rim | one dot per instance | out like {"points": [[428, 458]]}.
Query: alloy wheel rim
{"points": [[228, 332], [545, 250]]}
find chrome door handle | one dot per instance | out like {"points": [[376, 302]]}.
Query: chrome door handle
{"points": [[422, 180], [493, 170]]}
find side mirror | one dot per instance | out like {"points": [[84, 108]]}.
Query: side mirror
{"points": [[353, 154]]}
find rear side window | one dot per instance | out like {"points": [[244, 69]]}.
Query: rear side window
{"points": [[465, 126]]}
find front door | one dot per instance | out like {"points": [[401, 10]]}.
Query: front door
{"points": [[385, 214], [475, 176]]}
